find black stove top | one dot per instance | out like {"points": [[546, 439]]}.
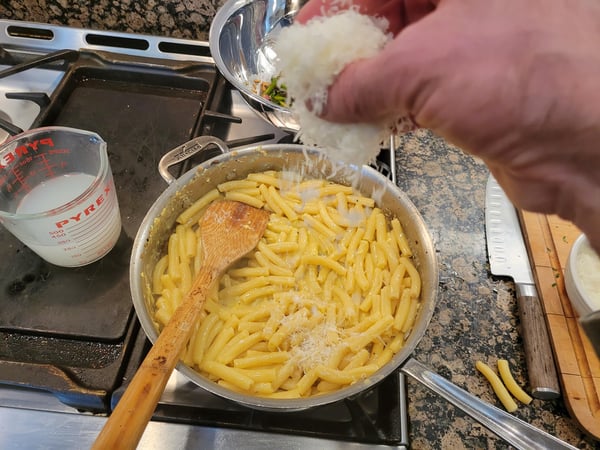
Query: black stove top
{"points": [[73, 332], [77, 325]]}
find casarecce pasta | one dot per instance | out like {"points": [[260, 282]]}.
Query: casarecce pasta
{"points": [[326, 299]]}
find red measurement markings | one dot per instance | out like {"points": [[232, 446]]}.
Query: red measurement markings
{"points": [[19, 181], [12, 163], [9, 157], [45, 165]]}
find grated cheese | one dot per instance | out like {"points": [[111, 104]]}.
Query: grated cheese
{"points": [[314, 347], [310, 56]]}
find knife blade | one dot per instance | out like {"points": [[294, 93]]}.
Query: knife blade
{"points": [[508, 256]]}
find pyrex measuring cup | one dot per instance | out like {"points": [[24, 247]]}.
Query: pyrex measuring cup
{"points": [[57, 194]]}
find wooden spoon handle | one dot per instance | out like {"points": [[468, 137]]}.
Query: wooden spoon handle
{"points": [[126, 424]]}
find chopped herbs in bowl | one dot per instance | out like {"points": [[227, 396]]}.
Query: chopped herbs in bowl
{"points": [[272, 91]]}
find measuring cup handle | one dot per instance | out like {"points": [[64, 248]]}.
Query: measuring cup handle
{"points": [[184, 151]]}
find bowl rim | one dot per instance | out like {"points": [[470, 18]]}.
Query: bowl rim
{"points": [[583, 304], [219, 21]]}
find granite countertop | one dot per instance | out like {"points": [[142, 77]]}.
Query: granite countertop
{"points": [[476, 315], [189, 19]]}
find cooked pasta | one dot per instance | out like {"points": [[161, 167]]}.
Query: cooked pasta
{"points": [[496, 383], [326, 299], [511, 384]]}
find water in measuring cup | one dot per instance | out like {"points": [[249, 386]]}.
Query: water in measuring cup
{"points": [[82, 234], [55, 192]]}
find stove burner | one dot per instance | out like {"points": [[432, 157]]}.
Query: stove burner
{"points": [[73, 332]]}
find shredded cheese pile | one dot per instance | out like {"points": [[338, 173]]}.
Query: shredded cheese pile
{"points": [[310, 56]]}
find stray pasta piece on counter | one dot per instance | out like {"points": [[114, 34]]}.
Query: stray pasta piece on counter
{"points": [[327, 298], [511, 384], [501, 392]]}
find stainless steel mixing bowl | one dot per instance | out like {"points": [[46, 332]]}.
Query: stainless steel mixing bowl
{"points": [[241, 42]]}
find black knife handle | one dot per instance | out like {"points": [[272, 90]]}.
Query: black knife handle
{"points": [[543, 379]]}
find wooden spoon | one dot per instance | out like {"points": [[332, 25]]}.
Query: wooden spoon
{"points": [[229, 230]]}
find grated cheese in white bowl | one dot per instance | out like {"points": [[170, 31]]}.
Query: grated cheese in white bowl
{"points": [[587, 265], [309, 57]]}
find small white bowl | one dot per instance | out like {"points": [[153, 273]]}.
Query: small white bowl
{"points": [[582, 277]]}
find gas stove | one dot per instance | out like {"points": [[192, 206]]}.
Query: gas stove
{"points": [[16, 107], [69, 338]]}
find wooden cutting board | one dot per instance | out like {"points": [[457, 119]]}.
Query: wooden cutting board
{"points": [[549, 240]]}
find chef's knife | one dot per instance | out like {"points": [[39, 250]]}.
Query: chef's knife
{"points": [[508, 257]]}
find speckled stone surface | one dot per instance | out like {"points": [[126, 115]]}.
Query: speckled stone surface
{"points": [[188, 19], [476, 316]]}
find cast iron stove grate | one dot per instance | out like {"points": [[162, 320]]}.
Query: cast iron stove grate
{"points": [[72, 331]]}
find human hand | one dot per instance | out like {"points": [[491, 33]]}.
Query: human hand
{"points": [[515, 83], [399, 13]]}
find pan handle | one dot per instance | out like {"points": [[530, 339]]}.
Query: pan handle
{"points": [[184, 151], [506, 426]]}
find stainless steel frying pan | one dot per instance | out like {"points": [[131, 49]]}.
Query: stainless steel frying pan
{"points": [[158, 224]]}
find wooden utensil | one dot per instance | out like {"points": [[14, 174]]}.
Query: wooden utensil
{"points": [[229, 230], [549, 240]]}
